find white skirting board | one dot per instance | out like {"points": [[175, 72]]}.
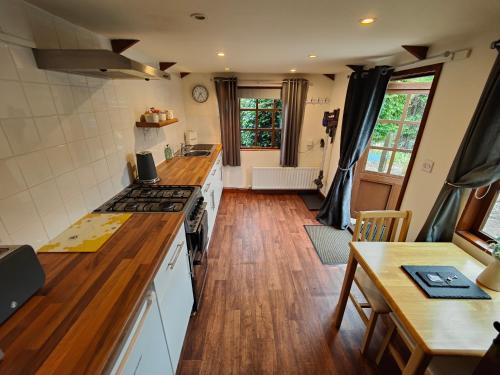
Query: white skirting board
{"points": [[279, 178]]}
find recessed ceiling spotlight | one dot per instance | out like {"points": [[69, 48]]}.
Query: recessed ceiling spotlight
{"points": [[312, 56], [198, 16], [221, 54], [293, 70], [367, 21], [227, 69]]}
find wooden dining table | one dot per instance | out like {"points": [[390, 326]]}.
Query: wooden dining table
{"points": [[439, 327]]}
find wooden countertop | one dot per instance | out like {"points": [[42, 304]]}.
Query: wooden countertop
{"points": [[191, 170], [77, 322]]}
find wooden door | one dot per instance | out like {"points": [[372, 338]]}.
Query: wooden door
{"points": [[382, 172]]}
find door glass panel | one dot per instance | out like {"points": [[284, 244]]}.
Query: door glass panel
{"points": [[408, 137], [265, 139], [247, 138], [392, 107], [265, 119], [248, 103], [400, 163], [277, 139], [384, 134], [247, 119], [416, 108], [491, 225], [378, 161]]}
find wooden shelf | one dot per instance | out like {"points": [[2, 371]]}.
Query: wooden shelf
{"points": [[144, 124]]}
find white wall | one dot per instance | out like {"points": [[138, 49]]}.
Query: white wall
{"points": [[204, 119], [455, 100], [65, 139]]}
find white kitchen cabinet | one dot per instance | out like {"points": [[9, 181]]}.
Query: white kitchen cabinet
{"points": [[212, 192], [145, 351], [175, 295]]}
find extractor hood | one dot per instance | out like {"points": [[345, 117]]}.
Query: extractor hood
{"points": [[98, 63]]}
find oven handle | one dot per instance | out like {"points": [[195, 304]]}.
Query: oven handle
{"points": [[176, 255]]}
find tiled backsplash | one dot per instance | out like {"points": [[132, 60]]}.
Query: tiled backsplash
{"points": [[65, 140]]}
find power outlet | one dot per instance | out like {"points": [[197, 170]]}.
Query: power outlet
{"points": [[427, 165]]}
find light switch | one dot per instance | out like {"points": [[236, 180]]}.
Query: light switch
{"points": [[427, 165]]}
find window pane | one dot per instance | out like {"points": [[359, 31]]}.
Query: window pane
{"points": [[265, 119], [248, 103], [416, 107], [266, 103], [278, 103], [277, 138], [392, 107], [247, 119], [277, 120], [247, 138], [384, 135], [265, 139], [408, 137], [400, 163], [378, 161], [491, 226]]}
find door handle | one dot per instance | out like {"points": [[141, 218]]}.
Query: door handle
{"points": [[207, 188], [178, 250], [136, 336]]}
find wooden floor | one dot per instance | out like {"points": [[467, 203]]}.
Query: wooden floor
{"points": [[269, 302]]}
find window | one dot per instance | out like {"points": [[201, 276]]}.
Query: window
{"points": [[397, 126], [480, 221], [260, 123]]}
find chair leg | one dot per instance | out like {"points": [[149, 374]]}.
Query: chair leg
{"points": [[370, 328], [385, 343]]}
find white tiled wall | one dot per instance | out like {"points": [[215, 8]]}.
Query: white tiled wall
{"points": [[65, 140]]}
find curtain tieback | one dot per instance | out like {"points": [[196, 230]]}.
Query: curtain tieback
{"points": [[344, 169], [449, 183]]}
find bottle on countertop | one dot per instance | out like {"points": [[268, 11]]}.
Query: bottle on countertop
{"points": [[168, 152]]}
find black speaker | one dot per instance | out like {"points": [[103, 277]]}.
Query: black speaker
{"points": [[21, 276], [146, 169]]}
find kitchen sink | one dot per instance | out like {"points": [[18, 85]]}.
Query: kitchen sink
{"points": [[197, 153], [204, 147]]}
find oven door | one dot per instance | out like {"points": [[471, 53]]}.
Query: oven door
{"points": [[202, 238]]}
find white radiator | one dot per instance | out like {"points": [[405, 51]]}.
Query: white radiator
{"points": [[279, 178]]}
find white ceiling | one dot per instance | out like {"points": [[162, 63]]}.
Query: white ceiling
{"points": [[274, 36]]}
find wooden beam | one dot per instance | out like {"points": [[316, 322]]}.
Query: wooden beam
{"points": [[355, 68], [420, 52], [120, 45], [331, 76], [183, 74], [165, 65]]}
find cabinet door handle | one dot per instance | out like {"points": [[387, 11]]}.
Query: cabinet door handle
{"points": [[178, 250], [214, 172], [136, 336], [213, 198], [208, 187]]}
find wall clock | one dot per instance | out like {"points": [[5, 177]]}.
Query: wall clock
{"points": [[200, 93]]}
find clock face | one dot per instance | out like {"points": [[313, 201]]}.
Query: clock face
{"points": [[200, 93]]}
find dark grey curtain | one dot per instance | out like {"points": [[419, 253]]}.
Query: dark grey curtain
{"points": [[365, 94], [293, 97], [476, 164], [226, 89]]}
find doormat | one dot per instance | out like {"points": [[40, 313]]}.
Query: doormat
{"points": [[312, 199], [332, 245]]}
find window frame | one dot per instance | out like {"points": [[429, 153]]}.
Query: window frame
{"points": [[256, 129], [474, 215]]}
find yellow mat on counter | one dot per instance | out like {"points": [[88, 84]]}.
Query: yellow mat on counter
{"points": [[87, 235]]}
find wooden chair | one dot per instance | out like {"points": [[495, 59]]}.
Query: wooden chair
{"points": [[379, 226]]}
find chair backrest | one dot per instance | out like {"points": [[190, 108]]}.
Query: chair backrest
{"points": [[381, 226]]}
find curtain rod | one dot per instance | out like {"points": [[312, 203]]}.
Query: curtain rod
{"points": [[446, 56], [261, 82]]}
